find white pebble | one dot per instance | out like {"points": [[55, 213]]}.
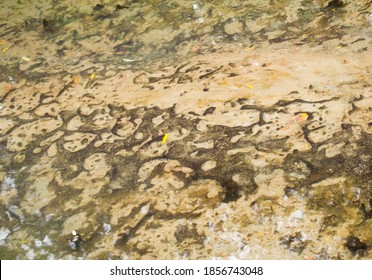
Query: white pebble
{"points": [[208, 165], [4, 232], [145, 209], [47, 241], [298, 214], [38, 243], [8, 183], [30, 255], [106, 228]]}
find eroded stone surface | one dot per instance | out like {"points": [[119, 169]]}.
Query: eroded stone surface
{"points": [[22, 136], [267, 154], [78, 141]]}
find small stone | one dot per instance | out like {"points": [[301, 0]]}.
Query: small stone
{"points": [[38, 243], [106, 228], [75, 241], [73, 167], [36, 150], [4, 232], [148, 257], [242, 179], [145, 209], [208, 165], [298, 214], [355, 245], [8, 183], [52, 151], [141, 79], [138, 136], [30, 255], [47, 241], [158, 120], [19, 158], [234, 27], [202, 126]]}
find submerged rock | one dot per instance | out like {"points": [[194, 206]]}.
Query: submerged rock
{"points": [[355, 245], [4, 232], [234, 27]]}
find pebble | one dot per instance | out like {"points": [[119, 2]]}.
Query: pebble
{"points": [[145, 209], [141, 79], [148, 257], [138, 136], [8, 183], [355, 245], [4, 232], [158, 120], [31, 255], [52, 150], [47, 241], [37, 150], [234, 27], [38, 243], [75, 241], [208, 165], [297, 214], [106, 228]]}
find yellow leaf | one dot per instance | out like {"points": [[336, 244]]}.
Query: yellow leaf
{"points": [[92, 76], [165, 138], [24, 241], [249, 86], [5, 49], [301, 117], [75, 80]]}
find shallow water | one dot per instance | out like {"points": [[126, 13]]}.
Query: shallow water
{"points": [[185, 130]]}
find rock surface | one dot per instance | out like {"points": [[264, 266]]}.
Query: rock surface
{"points": [[267, 153]]}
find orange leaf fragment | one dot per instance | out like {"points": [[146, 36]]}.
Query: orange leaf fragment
{"points": [[75, 80], [301, 117], [9, 86]]}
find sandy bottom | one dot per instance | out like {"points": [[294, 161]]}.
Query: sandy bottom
{"points": [[226, 148]]}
